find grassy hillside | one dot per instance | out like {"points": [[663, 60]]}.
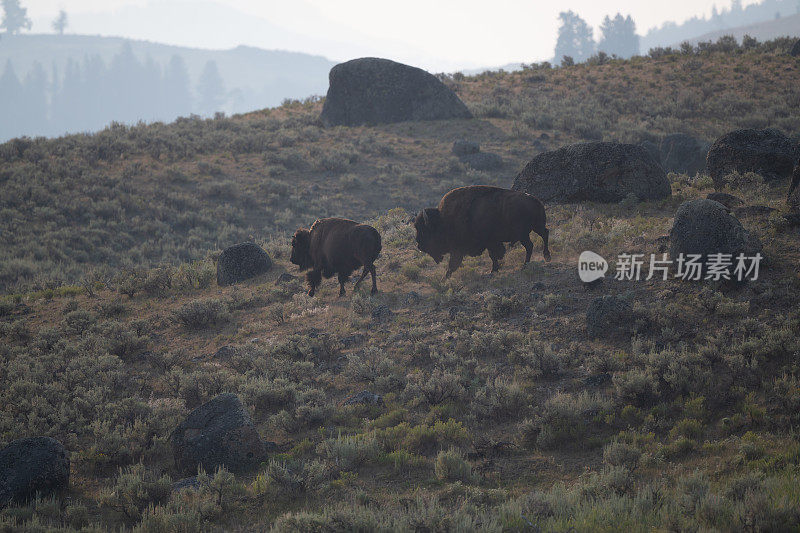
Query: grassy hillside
{"points": [[499, 413], [145, 195]]}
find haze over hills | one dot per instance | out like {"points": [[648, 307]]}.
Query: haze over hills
{"points": [[721, 22], [763, 31], [250, 78]]}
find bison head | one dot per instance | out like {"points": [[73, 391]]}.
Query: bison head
{"points": [[301, 249], [430, 233]]}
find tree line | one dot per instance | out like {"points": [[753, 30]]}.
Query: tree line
{"points": [[89, 94], [576, 42]]}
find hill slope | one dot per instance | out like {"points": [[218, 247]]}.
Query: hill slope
{"points": [[145, 195], [498, 412]]}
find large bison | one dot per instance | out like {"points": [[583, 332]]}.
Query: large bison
{"points": [[336, 246], [472, 219]]}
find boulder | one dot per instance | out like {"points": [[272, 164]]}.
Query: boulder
{"points": [[795, 51], [608, 317], [241, 262], [462, 147], [219, 432], [706, 227], [370, 91], [768, 152], [683, 154], [652, 148], [728, 200], [30, 466], [482, 161], [596, 171]]}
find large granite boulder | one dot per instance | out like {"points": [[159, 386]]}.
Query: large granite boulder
{"points": [[767, 152], [683, 154], [706, 227], [30, 466], [371, 91], [596, 171], [219, 432], [241, 262]]}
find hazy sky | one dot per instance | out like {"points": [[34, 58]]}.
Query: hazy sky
{"points": [[435, 34]]}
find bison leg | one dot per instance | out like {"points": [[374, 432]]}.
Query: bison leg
{"points": [[361, 278], [528, 244], [546, 251], [454, 264], [374, 283], [314, 278], [496, 253], [343, 278]]}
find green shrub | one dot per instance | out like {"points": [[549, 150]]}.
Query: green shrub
{"points": [[135, 488], [451, 466], [350, 452], [202, 314]]}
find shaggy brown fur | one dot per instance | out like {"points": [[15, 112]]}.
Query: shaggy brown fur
{"points": [[472, 219], [336, 246]]}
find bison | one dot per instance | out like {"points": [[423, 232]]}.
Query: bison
{"points": [[472, 219], [336, 246]]}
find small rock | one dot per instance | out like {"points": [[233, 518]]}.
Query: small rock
{"points": [[241, 262], [795, 51], [226, 352], [462, 147], [32, 465], [382, 313], [482, 161], [609, 316], [364, 397], [728, 200]]}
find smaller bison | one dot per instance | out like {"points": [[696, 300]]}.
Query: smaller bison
{"points": [[472, 219], [336, 246]]}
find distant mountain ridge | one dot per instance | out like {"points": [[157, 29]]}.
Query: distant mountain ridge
{"points": [[763, 31], [254, 78]]}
